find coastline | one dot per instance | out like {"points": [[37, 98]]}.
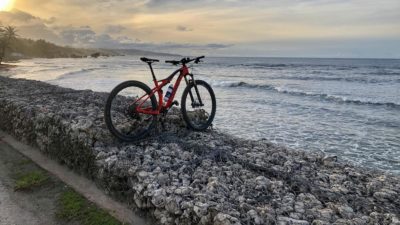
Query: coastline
{"points": [[183, 177], [6, 66]]}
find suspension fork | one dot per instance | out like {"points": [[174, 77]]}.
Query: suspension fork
{"points": [[196, 89]]}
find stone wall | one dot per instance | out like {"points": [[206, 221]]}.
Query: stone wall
{"points": [[184, 177]]}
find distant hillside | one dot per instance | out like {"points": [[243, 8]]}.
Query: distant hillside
{"points": [[27, 48], [140, 52], [23, 48]]}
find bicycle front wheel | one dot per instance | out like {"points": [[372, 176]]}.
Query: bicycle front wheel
{"points": [[198, 105], [123, 112]]}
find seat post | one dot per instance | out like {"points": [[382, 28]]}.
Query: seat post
{"points": [[152, 72]]}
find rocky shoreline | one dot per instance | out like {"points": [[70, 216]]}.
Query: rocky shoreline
{"points": [[184, 177]]}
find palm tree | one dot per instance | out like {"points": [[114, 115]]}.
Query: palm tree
{"points": [[7, 35], [1, 42]]}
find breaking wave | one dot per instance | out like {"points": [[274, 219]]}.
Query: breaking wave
{"points": [[334, 98], [77, 72]]}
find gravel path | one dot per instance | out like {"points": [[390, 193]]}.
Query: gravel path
{"points": [[184, 177]]}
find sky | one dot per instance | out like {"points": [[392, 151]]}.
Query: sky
{"points": [[275, 28]]}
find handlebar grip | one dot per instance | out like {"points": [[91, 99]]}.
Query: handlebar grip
{"points": [[197, 60]]}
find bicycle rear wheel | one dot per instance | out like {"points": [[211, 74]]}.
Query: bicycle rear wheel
{"points": [[198, 106], [121, 115]]}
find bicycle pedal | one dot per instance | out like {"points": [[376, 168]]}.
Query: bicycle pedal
{"points": [[175, 103]]}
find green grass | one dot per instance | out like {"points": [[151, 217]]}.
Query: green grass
{"points": [[30, 180], [73, 206]]}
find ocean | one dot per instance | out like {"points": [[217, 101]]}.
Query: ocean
{"points": [[344, 107]]}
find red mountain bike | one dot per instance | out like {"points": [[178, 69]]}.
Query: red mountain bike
{"points": [[132, 107]]}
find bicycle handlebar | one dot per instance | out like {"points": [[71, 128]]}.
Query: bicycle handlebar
{"points": [[183, 61]]}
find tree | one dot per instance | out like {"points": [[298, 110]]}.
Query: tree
{"points": [[7, 35]]}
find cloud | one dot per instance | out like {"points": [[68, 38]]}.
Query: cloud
{"points": [[151, 23], [38, 31], [85, 36], [28, 25], [185, 4], [217, 46], [127, 40], [114, 29], [81, 36], [18, 16], [51, 20], [183, 28]]}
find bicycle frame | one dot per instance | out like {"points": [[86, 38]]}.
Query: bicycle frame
{"points": [[159, 84]]}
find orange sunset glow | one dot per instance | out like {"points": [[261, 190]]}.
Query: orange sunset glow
{"points": [[226, 27]]}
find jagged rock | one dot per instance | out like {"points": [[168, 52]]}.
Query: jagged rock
{"points": [[162, 179], [159, 198], [345, 211], [325, 214], [262, 183], [225, 219], [173, 205], [200, 209], [309, 200], [385, 195], [299, 207], [329, 160], [290, 221], [319, 222], [111, 161], [185, 177], [256, 219], [182, 191]]}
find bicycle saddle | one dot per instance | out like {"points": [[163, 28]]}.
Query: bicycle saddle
{"points": [[147, 60]]}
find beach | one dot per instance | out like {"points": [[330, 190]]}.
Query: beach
{"points": [[184, 177]]}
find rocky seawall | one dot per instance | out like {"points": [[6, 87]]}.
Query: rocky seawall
{"points": [[184, 177]]}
